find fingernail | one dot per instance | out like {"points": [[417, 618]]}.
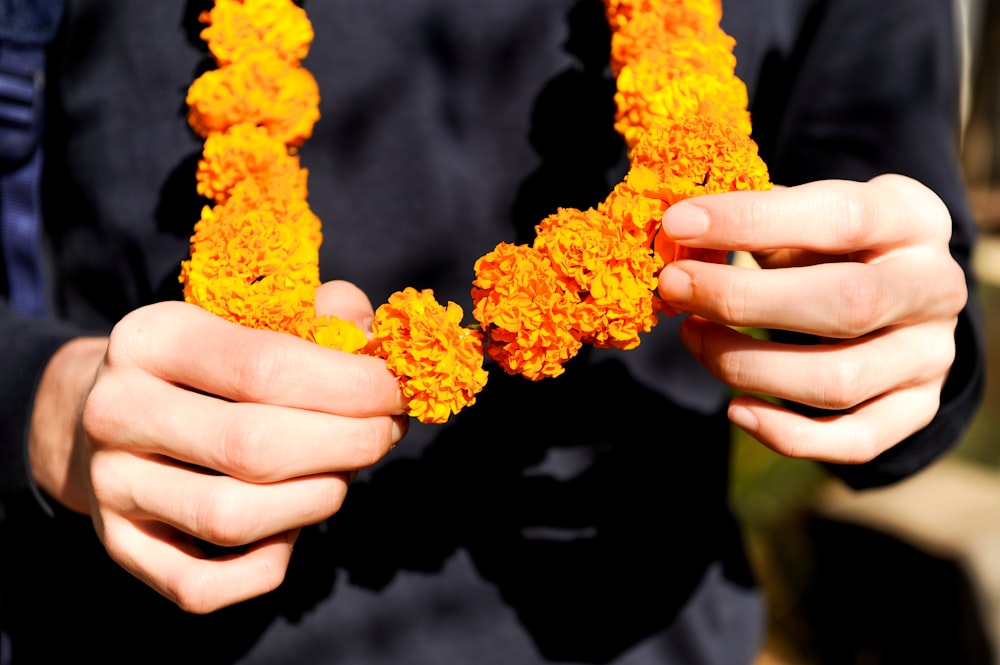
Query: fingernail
{"points": [[743, 417], [675, 285], [684, 220]]}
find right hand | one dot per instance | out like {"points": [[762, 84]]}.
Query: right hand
{"points": [[196, 428]]}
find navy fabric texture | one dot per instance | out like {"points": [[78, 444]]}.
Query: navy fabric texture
{"points": [[30, 22]]}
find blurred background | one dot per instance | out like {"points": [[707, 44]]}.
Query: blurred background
{"points": [[908, 574]]}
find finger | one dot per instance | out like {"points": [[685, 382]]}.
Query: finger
{"points": [[827, 376], [345, 301], [253, 442], [851, 438], [830, 217], [186, 345], [170, 564], [830, 299], [217, 509]]}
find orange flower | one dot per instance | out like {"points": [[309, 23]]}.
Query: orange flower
{"points": [[237, 28], [676, 31], [690, 16], [636, 214], [282, 198], [244, 152], [613, 274], [250, 269], [261, 89], [647, 95], [525, 310], [695, 155], [439, 362], [588, 278]]}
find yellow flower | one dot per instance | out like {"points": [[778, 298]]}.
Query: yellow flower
{"points": [[439, 363], [525, 310], [261, 89], [237, 28], [334, 333]]}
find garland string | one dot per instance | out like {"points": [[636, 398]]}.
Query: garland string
{"points": [[589, 277]]}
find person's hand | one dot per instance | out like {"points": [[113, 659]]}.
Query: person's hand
{"points": [[197, 430], [863, 266]]}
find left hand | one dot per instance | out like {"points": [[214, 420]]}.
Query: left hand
{"points": [[865, 267]]}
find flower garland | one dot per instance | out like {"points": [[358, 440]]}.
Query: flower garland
{"points": [[589, 277]]}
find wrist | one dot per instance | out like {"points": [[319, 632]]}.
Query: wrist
{"points": [[55, 436]]}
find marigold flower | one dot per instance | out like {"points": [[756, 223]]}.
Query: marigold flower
{"points": [[237, 28], [244, 152], [613, 273], [439, 363], [261, 89], [298, 223], [588, 278], [281, 197], [646, 96], [526, 311], [334, 333], [699, 16], [696, 155], [674, 32], [636, 214], [251, 269]]}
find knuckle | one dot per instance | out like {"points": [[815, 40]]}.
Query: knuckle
{"points": [[862, 306], [220, 520], [955, 287], [99, 414], [937, 353], [329, 494], [270, 575], [865, 445], [191, 592], [844, 387], [736, 369], [245, 444], [357, 375], [196, 590], [790, 441], [120, 338], [858, 221], [129, 335], [735, 306], [255, 369], [373, 441], [755, 220], [105, 480]]}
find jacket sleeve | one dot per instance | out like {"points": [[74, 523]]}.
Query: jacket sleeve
{"points": [[870, 88]]}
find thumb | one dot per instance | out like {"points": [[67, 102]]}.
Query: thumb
{"points": [[345, 301]]}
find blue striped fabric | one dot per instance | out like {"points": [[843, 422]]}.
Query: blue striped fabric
{"points": [[22, 87]]}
